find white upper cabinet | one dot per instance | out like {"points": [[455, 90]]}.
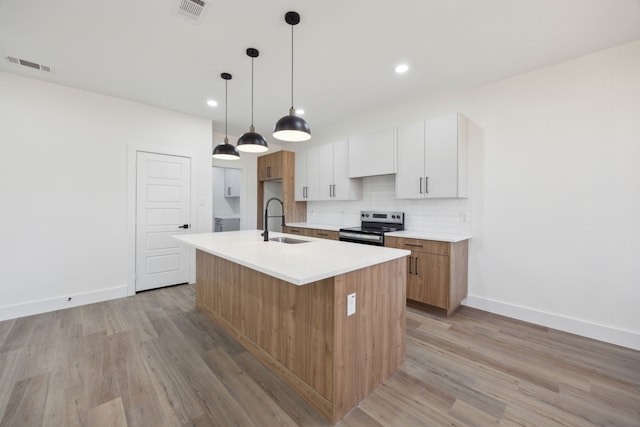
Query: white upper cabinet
{"points": [[373, 153], [300, 176], [306, 175], [432, 158], [343, 187], [231, 183], [322, 174]]}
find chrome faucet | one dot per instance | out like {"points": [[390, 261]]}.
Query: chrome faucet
{"points": [[265, 233]]}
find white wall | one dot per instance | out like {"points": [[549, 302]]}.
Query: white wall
{"points": [[64, 190], [555, 192]]}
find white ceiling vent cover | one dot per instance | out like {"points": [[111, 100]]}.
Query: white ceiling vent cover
{"points": [[29, 64], [192, 9]]}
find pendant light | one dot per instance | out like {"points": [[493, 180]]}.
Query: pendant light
{"points": [[292, 128], [225, 151], [252, 142]]}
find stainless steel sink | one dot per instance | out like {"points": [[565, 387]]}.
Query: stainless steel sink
{"points": [[287, 240]]}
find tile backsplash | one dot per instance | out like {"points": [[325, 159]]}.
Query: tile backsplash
{"points": [[378, 193]]}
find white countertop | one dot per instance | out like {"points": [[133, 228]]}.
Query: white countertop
{"points": [[298, 264], [430, 235], [412, 234], [327, 227]]}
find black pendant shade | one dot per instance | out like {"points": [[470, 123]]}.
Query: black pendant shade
{"points": [[252, 142], [292, 128], [225, 151]]}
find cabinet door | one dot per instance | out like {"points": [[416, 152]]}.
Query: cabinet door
{"points": [[431, 279], [324, 172], [344, 188], [262, 168], [373, 153], [270, 167], [232, 183], [314, 166], [441, 156], [410, 178], [301, 176]]}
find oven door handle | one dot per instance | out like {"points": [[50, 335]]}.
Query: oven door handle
{"points": [[361, 236]]}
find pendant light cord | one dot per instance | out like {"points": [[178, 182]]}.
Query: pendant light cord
{"points": [[226, 106], [251, 91], [292, 66]]}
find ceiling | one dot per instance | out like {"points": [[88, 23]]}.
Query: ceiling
{"points": [[345, 50]]}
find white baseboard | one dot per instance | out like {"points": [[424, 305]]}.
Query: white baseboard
{"points": [[51, 304], [583, 328]]}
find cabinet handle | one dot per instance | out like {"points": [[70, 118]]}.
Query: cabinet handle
{"points": [[228, 191], [410, 258], [413, 245], [334, 190], [420, 185], [304, 192], [426, 185], [268, 171], [330, 195], [416, 266]]}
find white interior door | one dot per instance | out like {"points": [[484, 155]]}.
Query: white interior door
{"points": [[163, 189]]}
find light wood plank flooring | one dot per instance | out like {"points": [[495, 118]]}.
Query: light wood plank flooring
{"points": [[153, 360]]}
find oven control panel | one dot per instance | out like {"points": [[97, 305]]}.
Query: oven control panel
{"points": [[378, 216]]}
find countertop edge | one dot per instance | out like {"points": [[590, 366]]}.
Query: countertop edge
{"points": [[431, 235], [400, 253]]}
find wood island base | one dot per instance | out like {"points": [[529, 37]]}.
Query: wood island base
{"points": [[303, 334]]}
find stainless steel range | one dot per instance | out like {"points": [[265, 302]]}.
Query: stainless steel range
{"points": [[372, 227]]}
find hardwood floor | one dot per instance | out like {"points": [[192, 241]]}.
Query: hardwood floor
{"points": [[154, 360]]}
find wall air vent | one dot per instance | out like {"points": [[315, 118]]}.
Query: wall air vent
{"points": [[192, 9], [29, 64]]}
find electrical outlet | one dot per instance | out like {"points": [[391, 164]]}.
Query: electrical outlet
{"points": [[351, 304]]}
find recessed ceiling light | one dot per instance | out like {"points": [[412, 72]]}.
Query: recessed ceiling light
{"points": [[299, 111], [212, 103], [402, 68]]}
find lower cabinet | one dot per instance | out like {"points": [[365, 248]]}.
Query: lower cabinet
{"points": [[311, 232], [437, 272]]}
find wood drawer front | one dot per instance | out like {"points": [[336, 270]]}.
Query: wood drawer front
{"points": [[324, 234], [311, 232], [295, 230], [418, 245]]}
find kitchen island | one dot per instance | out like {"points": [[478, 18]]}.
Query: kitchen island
{"points": [[287, 305]]}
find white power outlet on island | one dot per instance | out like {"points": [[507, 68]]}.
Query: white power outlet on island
{"points": [[351, 304]]}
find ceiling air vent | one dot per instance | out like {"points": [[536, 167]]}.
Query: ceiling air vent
{"points": [[29, 64], [192, 9]]}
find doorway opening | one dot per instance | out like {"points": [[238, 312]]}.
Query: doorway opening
{"points": [[226, 188]]}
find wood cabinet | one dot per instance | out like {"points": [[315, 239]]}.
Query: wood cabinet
{"points": [[311, 232], [280, 166], [270, 166], [232, 183], [322, 173], [303, 333], [432, 158], [373, 153], [437, 272]]}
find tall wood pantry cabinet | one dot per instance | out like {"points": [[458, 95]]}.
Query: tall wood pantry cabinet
{"points": [[280, 166]]}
